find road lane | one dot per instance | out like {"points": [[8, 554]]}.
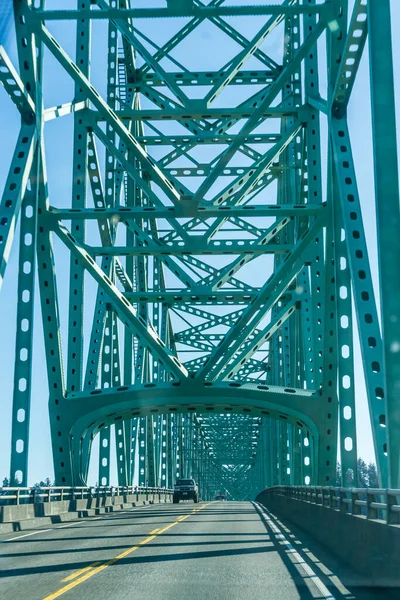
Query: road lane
{"points": [[210, 551]]}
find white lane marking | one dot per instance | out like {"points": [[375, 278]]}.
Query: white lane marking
{"points": [[69, 525], [298, 558], [41, 531], [26, 535]]}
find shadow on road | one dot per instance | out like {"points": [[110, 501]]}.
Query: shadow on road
{"points": [[340, 582], [314, 572]]}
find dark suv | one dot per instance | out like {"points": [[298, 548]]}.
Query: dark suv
{"points": [[185, 489]]}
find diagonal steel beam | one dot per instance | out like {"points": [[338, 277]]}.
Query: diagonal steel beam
{"points": [[351, 58], [229, 369], [259, 110], [123, 308], [14, 191], [109, 115], [246, 182], [135, 175], [224, 275], [126, 30], [14, 87], [170, 261], [230, 70], [268, 295], [180, 35], [362, 283]]}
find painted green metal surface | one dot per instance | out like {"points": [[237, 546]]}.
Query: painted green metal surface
{"points": [[214, 239]]}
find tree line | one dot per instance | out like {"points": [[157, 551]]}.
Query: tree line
{"points": [[366, 476], [46, 483]]}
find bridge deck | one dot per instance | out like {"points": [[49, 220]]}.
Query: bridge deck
{"points": [[213, 550]]}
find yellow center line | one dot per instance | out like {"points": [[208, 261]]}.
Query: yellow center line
{"points": [[154, 531], [94, 571], [80, 572]]}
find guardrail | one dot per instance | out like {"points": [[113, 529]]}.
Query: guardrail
{"points": [[368, 503], [31, 495]]}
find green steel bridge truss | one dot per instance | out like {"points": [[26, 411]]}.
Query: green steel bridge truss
{"points": [[214, 238]]}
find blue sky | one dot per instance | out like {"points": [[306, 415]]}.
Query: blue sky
{"points": [[57, 90]]}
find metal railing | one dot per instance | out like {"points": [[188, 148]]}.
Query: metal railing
{"points": [[369, 503], [31, 495]]}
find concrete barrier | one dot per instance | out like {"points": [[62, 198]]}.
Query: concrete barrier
{"points": [[29, 515], [97, 502], [130, 498], [35, 523], [370, 547], [46, 509], [6, 528], [17, 513], [80, 504], [108, 504]]}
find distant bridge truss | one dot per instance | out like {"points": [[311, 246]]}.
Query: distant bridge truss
{"points": [[191, 210]]}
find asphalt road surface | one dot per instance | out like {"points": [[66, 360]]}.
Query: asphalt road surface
{"points": [[214, 551]]}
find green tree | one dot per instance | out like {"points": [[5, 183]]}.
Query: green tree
{"points": [[373, 480], [46, 483], [362, 473], [345, 479]]}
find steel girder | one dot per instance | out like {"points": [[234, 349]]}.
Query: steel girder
{"points": [[220, 339]]}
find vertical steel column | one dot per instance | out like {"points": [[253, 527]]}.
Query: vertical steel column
{"points": [[314, 186], [21, 193], [289, 185], [283, 453], [307, 329], [104, 456], [170, 453], [175, 444], [122, 428], [133, 445], [151, 474], [181, 445], [274, 452], [24, 338], [121, 452], [142, 443], [79, 193], [270, 458], [157, 448], [264, 457], [387, 215], [307, 467], [322, 279], [297, 456], [336, 41], [164, 451], [186, 443], [128, 449], [346, 383], [106, 382]]}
